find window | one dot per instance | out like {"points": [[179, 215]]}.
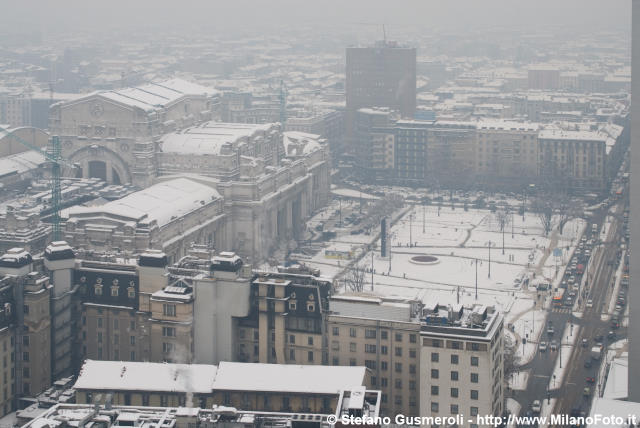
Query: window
{"points": [[132, 340], [398, 383], [435, 374], [436, 343], [352, 361], [99, 337], [412, 385], [398, 351], [309, 341], [398, 400], [370, 364], [336, 361], [474, 394], [398, 337], [25, 309], [454, 359], [116, 324], [131, 292], [99, 321], [454, 375], [25, 356], [475, 346], [383, 398], [412, 338], [454, 409], [412, 353], [454, 392], [474, 361], [352, 347], [97, 290], [474, 377], [384, 335], [374, 380], [167, 347], [311, 307], [434, 407], [369, 349], [398, 367], [384, 381], [435, 357], [384, 365], [412, 368], [292, 354], [352, 332], [169, 310], [335, 345], [435, 390], [336, 331], [132, 325], [167, 332], [310, 356], [292, 306], [26, 372], [114, 291], [370, 333], [384, 350], [25, 340], [474, 411], [133, 355]]}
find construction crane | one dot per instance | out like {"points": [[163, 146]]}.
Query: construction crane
{"points": [[53, 155]]}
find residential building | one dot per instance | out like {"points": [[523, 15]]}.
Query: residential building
{"points": [[461, 362], [383, 334]]}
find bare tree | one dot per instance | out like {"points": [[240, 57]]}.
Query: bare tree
{"points": [[354, 278], [503, 219], [542, 206]]}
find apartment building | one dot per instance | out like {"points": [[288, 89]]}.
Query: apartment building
{"points": [[286, 324], [382, 334], [461, 362], [374, 143], [506, 150], [577, 159], [411, 151]]}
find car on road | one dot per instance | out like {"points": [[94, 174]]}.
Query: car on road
{"points": [[587, 363], [591, 379], [550, 330], [590, 303], [553, 346], [586, 391], [543, 346], [618, 308], [536, 406], [585, 343], [599, 338], [611, 335]]}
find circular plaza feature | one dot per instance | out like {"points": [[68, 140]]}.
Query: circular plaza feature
{"points": [[424, 260]]}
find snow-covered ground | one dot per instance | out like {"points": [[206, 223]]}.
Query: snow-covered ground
{"points": [[518, 380], [513, 407]]}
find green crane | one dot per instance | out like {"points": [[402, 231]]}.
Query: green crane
{"points": [[53, 155]]}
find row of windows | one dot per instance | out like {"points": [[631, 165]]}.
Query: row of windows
{"points": [[435, 357], [372, 334], [435, 374], [454, 409], [454, 392]]}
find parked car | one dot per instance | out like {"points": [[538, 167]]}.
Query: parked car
{"points": [[543, 346], [591, 379], [590, 303]]}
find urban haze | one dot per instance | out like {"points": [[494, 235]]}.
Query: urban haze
{"points": [[233, 214]]}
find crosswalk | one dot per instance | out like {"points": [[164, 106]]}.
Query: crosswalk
{"points": [[561, 310]]}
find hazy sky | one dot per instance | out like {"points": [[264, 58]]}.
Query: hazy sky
{"points": [[230, 15]]}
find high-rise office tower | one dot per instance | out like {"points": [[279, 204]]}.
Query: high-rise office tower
{"points": [[380, 76]]}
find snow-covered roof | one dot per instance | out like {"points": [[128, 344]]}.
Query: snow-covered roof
{"points": [[301, 143], [617, 408], [162, 202], [558, 134], [209, 137], [287, 378], [145, 376], [154, 95], [21, 162], [507, 125]]}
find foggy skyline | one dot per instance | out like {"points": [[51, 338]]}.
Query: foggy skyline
{"points": [[242, 15]]}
